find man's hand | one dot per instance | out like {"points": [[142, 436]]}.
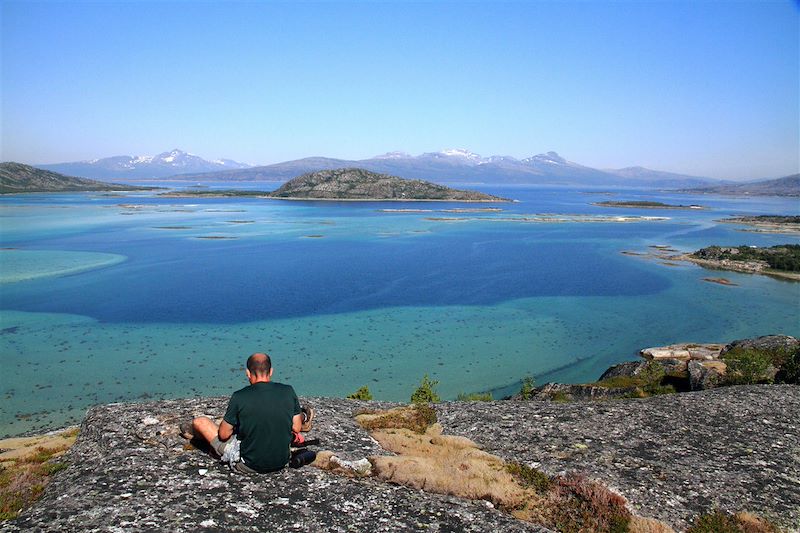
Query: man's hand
{"points": [[297, 423], [226, 430]]}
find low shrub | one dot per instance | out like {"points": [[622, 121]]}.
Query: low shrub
{"points": [[530, 478], [361, 394], [426, 392], [747, 366], [475, 397], [789, 372], [585, 505], [648, 382], [718, 521], [528, 388]]}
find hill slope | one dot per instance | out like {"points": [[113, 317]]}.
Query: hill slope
{"points": [[360, 184], [17, 178], [786, 186]]}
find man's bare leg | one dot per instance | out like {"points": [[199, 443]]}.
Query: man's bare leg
{"points": [[205, 427]]}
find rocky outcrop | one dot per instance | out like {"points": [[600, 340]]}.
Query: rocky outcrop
{"points": [[765, 343], [672, 457]]}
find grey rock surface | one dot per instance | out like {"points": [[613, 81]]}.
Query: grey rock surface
{"points": [[765, 343], [130, 471], [672, 456]]}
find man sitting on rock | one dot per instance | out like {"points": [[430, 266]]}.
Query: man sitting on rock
{"points": [[261, 422]]}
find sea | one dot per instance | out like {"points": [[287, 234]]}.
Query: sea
{"points": [[109, 297]]}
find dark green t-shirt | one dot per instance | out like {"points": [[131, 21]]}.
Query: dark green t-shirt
{"points": [[261, 415]]}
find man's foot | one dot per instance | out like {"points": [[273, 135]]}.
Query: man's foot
{"points": [[187, 431], [308, 417]]}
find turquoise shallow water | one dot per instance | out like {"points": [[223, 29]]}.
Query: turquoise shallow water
{"points": [[345, 295]]}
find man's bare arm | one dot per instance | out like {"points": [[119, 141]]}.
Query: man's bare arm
{"points": [[225, 431], [297, 423]]}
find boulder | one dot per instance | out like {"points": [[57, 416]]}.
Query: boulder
{"points": [[705, 374], [627, 369], [767, 343], [683, 352]]}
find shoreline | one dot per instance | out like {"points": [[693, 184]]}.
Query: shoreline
{"points": [[744, 267]]}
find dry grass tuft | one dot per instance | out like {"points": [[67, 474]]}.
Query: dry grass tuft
{"points": [[640, 524], [417, 417], [427, 460], [26, 465]]}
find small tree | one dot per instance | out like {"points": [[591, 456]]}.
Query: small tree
{"points": [[361, 394], [425, 393], [528, 387]]}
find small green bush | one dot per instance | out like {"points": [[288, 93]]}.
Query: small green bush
{"points": [[361, 394], [526, 392], [715, 522], [425, 393], [530, 477], [475, 397], [789, 372], [747, 367]]}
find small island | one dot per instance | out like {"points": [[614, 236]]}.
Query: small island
{"points": [[780, 261], [767, 223], [17, 178], [644, 204], [360, 184]]}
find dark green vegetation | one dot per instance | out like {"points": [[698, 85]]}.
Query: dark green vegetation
{"points": [[649, 381], [750, 366], [361, 394], [772, 219], [360, 184], [644, 204], [475, 397], [721, 522], [528, 388], [784, 257], [530, 477], [19, 178], [786, 186], [426, 392]]}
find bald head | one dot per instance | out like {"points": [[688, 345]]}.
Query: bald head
{"points": [[259, 365]]}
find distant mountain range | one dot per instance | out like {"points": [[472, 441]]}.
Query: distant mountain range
{"points": [[786, 186], [447, 166], [129, 167], [18, 178]]}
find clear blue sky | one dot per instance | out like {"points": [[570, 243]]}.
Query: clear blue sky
{"points": [[706, 88]]}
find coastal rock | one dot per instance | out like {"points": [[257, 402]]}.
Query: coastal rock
{"points": [[705, 374], [626, 369], [737, 449], [683, 352], [571, 392], [672, 456], [766, 343]]}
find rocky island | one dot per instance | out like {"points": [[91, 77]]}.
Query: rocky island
{"points": [[780, 261], [360, 184], [18, 178], [788, 224]]}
